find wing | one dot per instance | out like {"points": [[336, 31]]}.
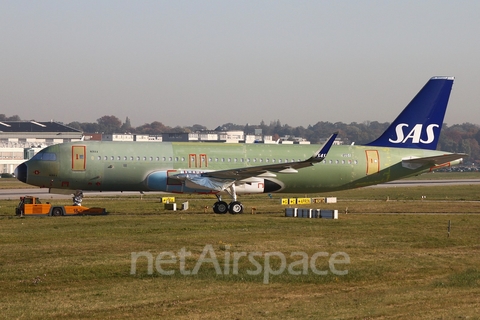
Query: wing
{"points": [[270, 169], [433, 161]]}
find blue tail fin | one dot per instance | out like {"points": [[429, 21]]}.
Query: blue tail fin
{"points": [[419, 124]]}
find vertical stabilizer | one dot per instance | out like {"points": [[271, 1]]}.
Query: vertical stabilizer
{"points": [[419, 124]]}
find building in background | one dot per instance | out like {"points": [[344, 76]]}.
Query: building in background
{"points": [[20, 140]]}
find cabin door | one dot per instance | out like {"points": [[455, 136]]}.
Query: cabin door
{"points": [[192, 160], [197, 161], [373, 161], [203, 160], [78, 158]]}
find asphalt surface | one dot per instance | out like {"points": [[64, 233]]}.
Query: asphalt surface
{"points": [[412, 183]]}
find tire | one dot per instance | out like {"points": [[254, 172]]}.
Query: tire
{"points": [[235, 207], [56, 212], [220, 207]]}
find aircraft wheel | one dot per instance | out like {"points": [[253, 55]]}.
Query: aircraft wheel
{"points": [[57, 212], [235, 207], [220, 207]]}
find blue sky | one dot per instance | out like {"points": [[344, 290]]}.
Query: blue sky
{"points": [[213, 62]]}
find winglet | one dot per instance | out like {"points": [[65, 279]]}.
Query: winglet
{"points": [[323, 151]]}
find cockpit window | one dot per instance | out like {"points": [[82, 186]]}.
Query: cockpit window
{"points": [[45, 156]]}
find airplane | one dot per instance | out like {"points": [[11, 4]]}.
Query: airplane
{"points": [[406, 148]]}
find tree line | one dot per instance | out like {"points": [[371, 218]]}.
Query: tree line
{"points": [[462, 138]]}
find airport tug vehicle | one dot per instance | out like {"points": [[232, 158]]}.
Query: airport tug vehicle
{"points": [[32, 206]]}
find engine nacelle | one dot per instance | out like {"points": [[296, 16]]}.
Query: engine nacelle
{"points": [[160, 181], [260, 186]]}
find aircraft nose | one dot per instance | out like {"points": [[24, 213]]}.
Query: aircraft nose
{"points": [[21, 173]]}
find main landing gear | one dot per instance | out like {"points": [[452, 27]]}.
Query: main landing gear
{"points": [[222, 207]]}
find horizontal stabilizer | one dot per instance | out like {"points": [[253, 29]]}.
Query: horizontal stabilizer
{"points": [[415, 163]]}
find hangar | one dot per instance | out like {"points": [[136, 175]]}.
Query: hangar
{"points": [[20, 140]]}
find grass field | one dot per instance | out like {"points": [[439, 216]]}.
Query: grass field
{"points": [[402, 264]]}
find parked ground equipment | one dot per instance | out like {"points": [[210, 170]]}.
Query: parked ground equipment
{"points": [[31, 206]]}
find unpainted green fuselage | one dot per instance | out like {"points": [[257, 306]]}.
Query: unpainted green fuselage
{"points": [[126, 166]]}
